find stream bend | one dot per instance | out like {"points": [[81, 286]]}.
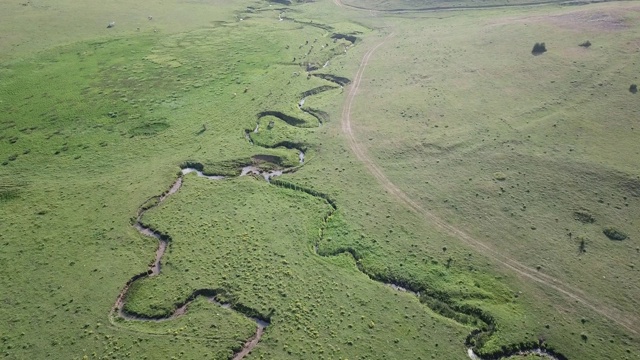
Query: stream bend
{"points": [[262, 321], [154, 269], [433, 299], [429, 297]]}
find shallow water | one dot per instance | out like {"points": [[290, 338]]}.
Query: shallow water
{"points": [[186, 171], [537, 352], [253, 170]]}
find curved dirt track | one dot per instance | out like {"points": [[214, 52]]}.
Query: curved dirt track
{"points": [[625, 320]]}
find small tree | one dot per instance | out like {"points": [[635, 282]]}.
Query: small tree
{"points": [[633, 88], [582, 245], [539, 48], [449, 262]]}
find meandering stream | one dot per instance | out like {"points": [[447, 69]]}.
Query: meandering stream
{"points": [[537, 352], [262, 324], [163, 241]]}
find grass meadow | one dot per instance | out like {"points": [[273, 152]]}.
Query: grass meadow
{"points": [[534, 155], [517, 149]]}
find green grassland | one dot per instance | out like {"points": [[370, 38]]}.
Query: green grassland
{"points": [[232, 236], [33, 25], [517, 150], [514, 147]]}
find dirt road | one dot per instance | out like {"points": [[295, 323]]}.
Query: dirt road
{"points": [[628, 321]]}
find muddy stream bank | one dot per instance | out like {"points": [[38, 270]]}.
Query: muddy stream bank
{"points": [[155, 268]]}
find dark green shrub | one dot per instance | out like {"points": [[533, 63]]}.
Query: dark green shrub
{"points": [[149, 129], [614, 234], [633, 88], [192, 165], [584, 217], [7, 194], [539, 48]]}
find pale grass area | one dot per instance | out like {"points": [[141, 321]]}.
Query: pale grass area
{"points": [[28, 26], [453, 99], [601, 17]]}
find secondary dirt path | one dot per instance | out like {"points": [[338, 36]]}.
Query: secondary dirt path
{"points": [[627, 321]]}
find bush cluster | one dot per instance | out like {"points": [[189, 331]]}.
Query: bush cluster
{"points": [[539, 48], [614, 234]]}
